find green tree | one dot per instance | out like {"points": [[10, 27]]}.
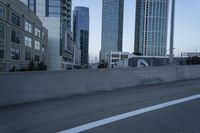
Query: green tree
{"points": [[41, 66], [31, 66]]}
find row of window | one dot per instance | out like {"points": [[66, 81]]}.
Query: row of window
{"points": [[15, 54], [15, 38], [15, 19], [28, 43], [122, 56], [2, 12]]}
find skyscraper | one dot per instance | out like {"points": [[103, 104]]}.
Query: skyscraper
{"points": [[81, 32], [151, 27], [56, 17], [112, 27]]}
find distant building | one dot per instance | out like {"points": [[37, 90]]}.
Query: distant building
{"points": [[151, 26], [115, 57], [56, 17], [22, 36], [81, 33], [150, 61], [112, 27]]}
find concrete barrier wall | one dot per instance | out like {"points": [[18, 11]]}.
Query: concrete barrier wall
{"points": [[17, 88]]}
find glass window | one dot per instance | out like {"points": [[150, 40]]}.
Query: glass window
{"points": [[37, 32], [2, 35], [1, 53], [43, 35], [43, 48], [37, 45], [28, 41], [15, 37], [28, 55], [28, 26], [15, 19], [2, 12], [124, 56], [37, 58], [53, 8], [15, 54], [32, 5]]}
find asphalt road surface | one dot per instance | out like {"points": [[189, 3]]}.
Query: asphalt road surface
{"points": [[63, 114]]}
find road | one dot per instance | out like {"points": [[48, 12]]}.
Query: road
{"points": [[63, 114]]}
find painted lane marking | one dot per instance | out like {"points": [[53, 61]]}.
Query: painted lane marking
{"points": [[127, 115]]}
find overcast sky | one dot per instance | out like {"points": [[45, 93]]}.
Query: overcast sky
{"points": [[187, 29]]}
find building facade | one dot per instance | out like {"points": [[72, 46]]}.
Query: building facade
{"points": [[112, 27], [23, 38], [116, 58], [81, 33], [56, 17], [151, 25]]}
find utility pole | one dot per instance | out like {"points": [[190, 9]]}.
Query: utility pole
{"points": [[171, 56]]}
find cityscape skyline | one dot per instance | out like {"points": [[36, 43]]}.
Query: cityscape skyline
{"points": [[185, 20], [80, 30], [112, 27], [151, 27]]}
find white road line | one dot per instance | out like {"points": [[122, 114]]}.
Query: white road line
{"points": [[127, 115]]}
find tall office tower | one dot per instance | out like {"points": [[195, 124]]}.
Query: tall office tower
{"points": [[81, 32], [56, 17], [151, 27], [112, 27]]}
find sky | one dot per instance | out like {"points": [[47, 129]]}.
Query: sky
{"points": [[187, 29]]}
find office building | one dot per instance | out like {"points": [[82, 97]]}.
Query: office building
{"points": [[23, 38], [118, 59], [81, 33], [151, 27], [112, 27], [56, 17]]}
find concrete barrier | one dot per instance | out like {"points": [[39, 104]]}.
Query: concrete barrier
{"points": [[17, 88]]}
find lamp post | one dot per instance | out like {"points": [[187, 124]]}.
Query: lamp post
{"points": [[197, 50], [171, 56]]}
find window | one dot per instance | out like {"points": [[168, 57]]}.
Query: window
{"points": [[2, 12], [15, 54], [37, 45], [32, 5], [37, 32], [37, 58], [28, 27], [43, 48], [115, 60], [124, 56], [15, 37], [28, 41], [43, 35], [15, 19], [2, 35], [115, 55], [1, 53], [28, 55], [53, 8]]}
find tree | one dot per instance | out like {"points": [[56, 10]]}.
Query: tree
{"points": [[193, 60], [31, 66], [41, 66]]}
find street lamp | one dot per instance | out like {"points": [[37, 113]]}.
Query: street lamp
{"points": [[171, 56], [197, 50]]}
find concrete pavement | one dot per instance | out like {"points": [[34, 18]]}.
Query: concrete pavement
{"points": [[61, 114]]}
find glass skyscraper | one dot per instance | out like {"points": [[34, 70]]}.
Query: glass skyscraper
{"points": [[112, 27], [151, 27], [81, 33], [56, 17]]}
